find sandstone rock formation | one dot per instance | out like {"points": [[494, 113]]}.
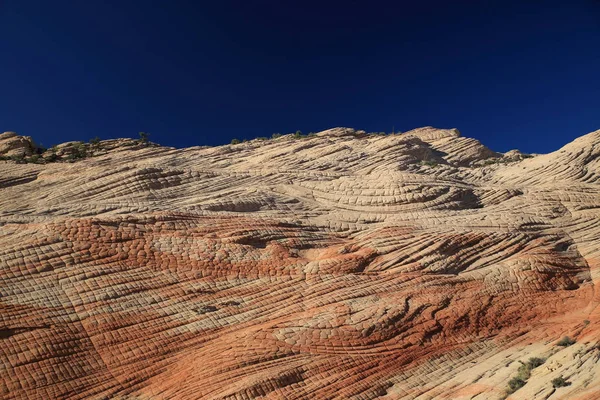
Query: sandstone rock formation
{"points": [[12, 144], [338, 266]]}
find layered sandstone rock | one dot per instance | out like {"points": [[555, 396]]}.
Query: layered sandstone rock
{"points": [[12, 144], [343, 265]]}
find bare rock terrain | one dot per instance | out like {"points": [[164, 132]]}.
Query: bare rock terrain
{"points": [[343, 265]]}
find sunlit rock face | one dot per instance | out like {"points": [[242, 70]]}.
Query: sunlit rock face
{"points": [[342, 265], [15, 145]]}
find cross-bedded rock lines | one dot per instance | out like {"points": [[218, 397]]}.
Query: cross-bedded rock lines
{"points": [[342, 265]]}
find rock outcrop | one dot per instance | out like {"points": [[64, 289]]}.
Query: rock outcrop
{"points": [[12, 144], [342, 265]]}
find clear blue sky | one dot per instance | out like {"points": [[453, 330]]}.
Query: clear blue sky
{"points": [[514, 74]]}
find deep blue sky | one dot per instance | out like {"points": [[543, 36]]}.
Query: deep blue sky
{"points": [[514, 74]]}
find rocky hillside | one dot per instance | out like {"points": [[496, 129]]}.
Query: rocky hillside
{"points": [[342, 265]]}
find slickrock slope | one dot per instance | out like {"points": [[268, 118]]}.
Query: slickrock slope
{"points": [[343, 265]]}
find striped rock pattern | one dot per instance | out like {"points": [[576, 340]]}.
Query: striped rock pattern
{"points": [[338, 266]]}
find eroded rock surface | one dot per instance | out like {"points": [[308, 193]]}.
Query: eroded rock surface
{"points": [[343, 265], [12, 144]]}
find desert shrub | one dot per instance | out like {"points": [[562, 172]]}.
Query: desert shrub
{"points": [[428, 163], [40, 149], [143, 138], [523, 374], [560, 382], [261, 138], [565, 342], [524, 371], [80, 151], [52, 157], [535, 362], [18, 158], [235, 141], [35, 158], [275, 135], [21, 159], [206, 309], [515, 384], [95, 144]]}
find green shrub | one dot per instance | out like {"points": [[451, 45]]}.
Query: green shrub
{"points": [[524, 371], [143, 138], [275, 135], [535, 362], [52, 157], [95, 144], [235, 141], [80, 151], [565, 342], [39, 149], [298, 135], [523, 374], [18, 158], [261, 138], [21, 159], [515, 384], [35, 158], [560, 382], [77, 152], [428, 163]]}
